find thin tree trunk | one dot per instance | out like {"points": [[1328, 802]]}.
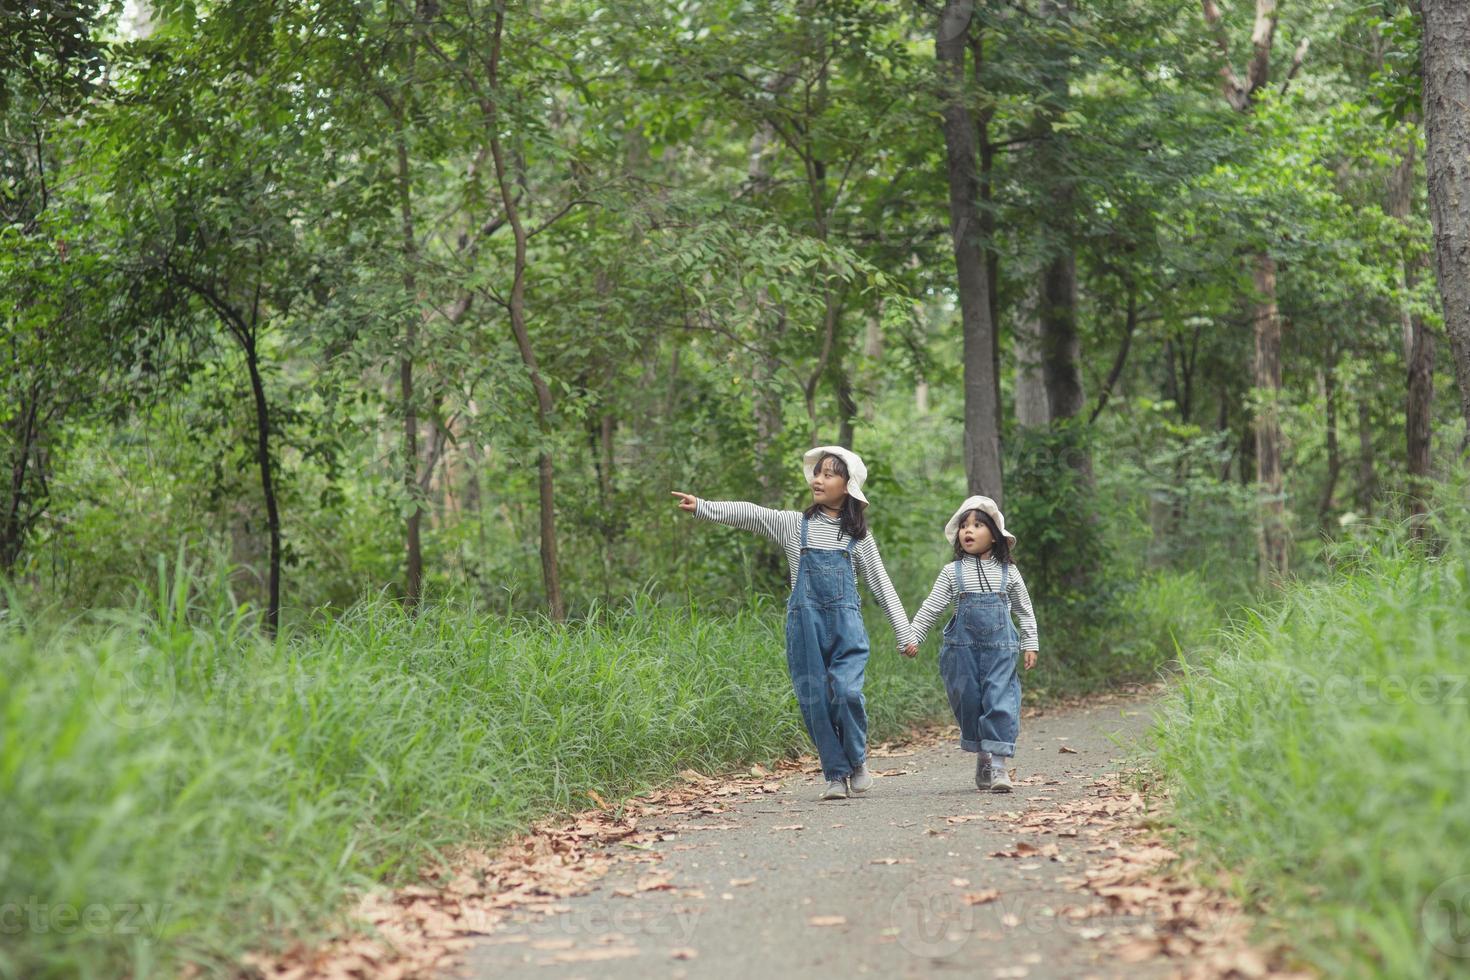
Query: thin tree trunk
{"points": [[982, 410], [267, 486], [1032, 410], [1446, 48], [22, 509], [545, 473], [1266, 368], [1334, 454], [1240, 94], [1060, 348], [1367, 468], [1222, 428], [1130, 326], [767, 401], [1418, 345], [413, 550], [245, 332], [872, 357], [987, 203]]}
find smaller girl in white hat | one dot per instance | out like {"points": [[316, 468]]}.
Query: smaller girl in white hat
{"points": [[978, 658]]}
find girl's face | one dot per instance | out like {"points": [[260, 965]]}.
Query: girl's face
{"points": [[974, 536], [829, 488]]}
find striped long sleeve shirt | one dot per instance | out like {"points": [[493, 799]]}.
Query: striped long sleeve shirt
{"points": [[784, 528], [981, 575]]}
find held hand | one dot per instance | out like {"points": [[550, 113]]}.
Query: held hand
{"points": [[1030, 658], [912, 650], [687, 501]]}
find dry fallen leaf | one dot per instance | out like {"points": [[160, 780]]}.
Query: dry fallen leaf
{"points": [[980, 897], [595, 955], [683, 953], [826, 920], [1066, 750], [551, 944]]}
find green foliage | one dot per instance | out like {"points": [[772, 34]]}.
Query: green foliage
{"points": [[1316, 753]]}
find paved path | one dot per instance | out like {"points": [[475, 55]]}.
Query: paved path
{"points": [[782, 885]]}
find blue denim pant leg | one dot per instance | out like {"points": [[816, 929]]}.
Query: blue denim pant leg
{"points": [[960, 671], [1000, 698], [847, 662], [807, 631]]}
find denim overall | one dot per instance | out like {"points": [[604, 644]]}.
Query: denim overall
{"points": [[978, 664], [826, 655]]}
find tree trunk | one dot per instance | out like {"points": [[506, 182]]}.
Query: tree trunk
{"points": [[545, 473], [872, 358], [413, 585], [25, 495], [1032, 410], [1120, 360], [982, 411], [1058, 313], [267, 483], [1334, 454], [1060, 348], [767, 401], [1418, 421], [1240, 94], [1367, 469], [1266, 371], [1418, 345], [1446, 48], [976, 36]]}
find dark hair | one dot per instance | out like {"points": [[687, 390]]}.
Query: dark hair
{"points": [[1000, 549], [854, 522]]}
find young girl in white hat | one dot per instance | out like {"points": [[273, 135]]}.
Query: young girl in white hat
{"points": [[827, 546], [978, 659]]}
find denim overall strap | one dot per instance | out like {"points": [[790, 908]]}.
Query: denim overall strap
{"points": [[959, 578]]}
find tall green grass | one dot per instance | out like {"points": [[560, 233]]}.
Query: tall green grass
{"points": [[174, 789], [1322, 754]]}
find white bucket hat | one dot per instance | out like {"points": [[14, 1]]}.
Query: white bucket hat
{"points": [[952, 527], [857, 471]]}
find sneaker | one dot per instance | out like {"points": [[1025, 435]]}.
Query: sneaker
{"points": [[983, 775], [836, 790], [861, 779], [1000, 778]]}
